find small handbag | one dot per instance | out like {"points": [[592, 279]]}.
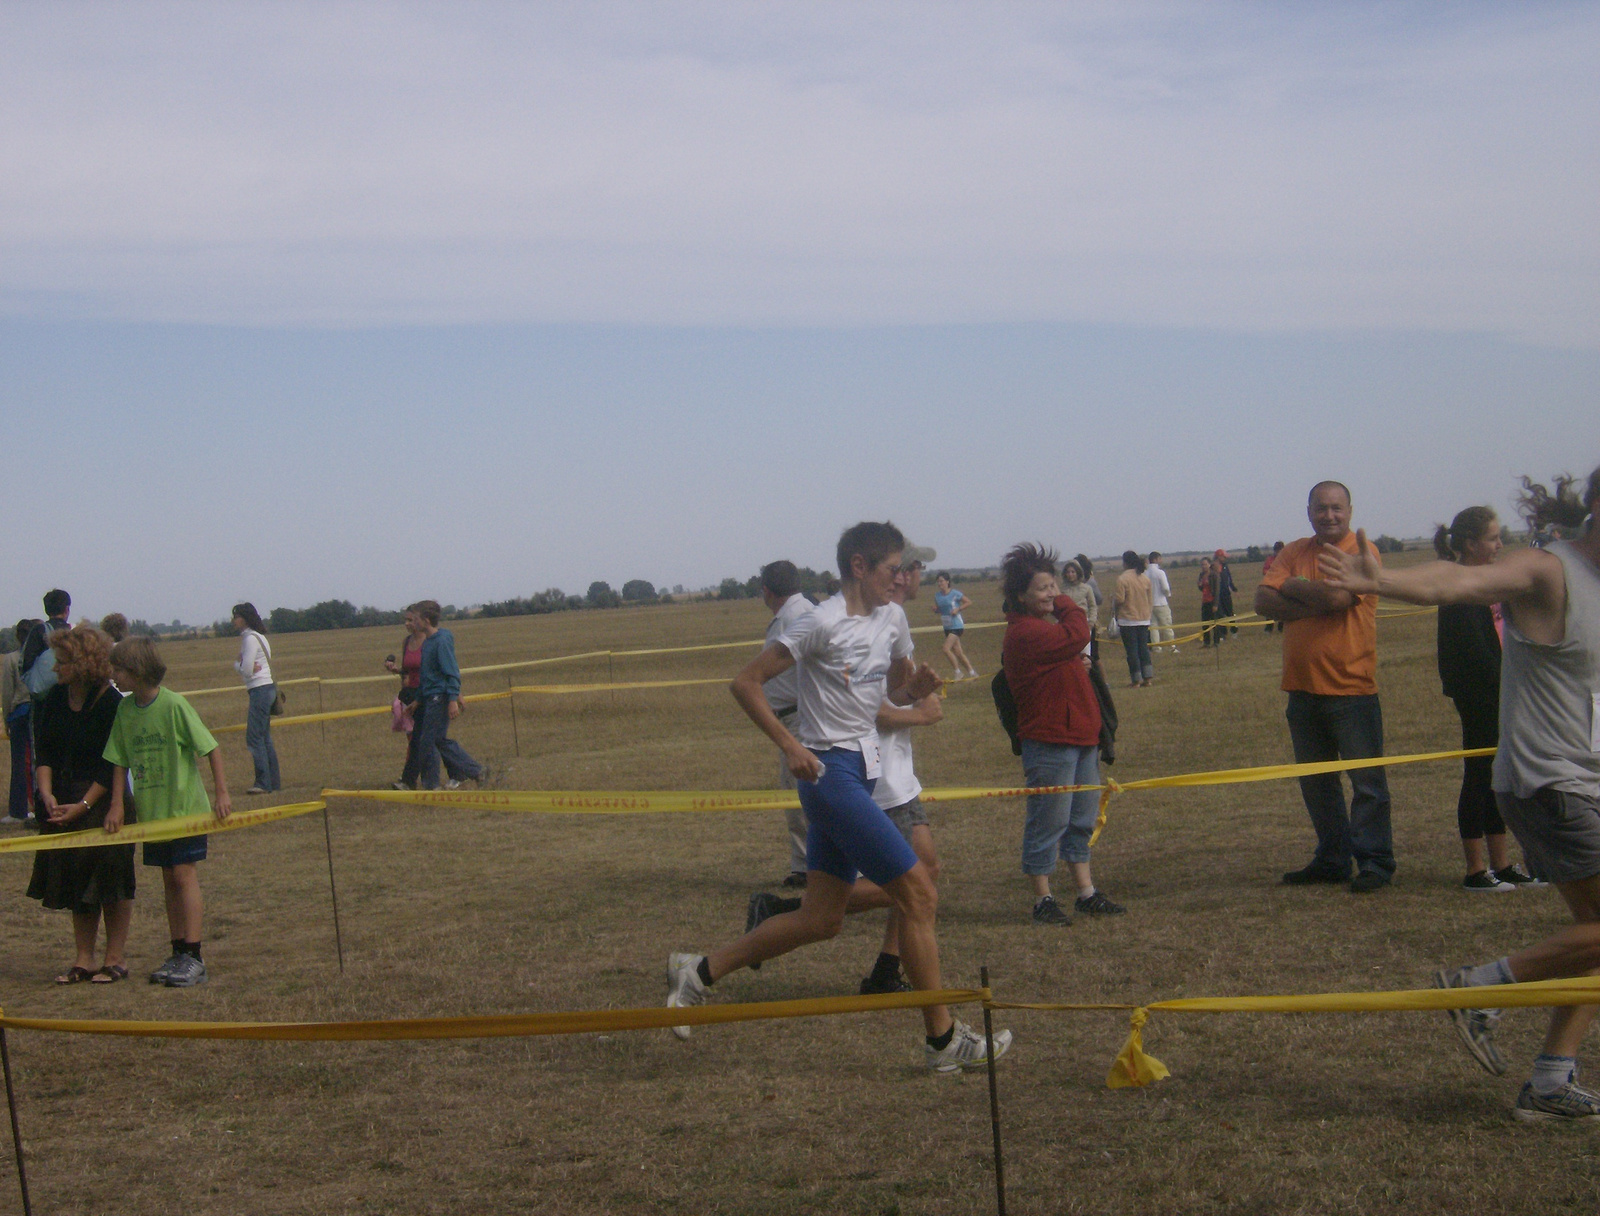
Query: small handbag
{"points": [[279, 700]]}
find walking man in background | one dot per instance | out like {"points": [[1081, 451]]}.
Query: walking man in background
{"points": [[1330, 664], [1160, 605]]}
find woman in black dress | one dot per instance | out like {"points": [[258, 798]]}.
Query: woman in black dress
{"points": [[73, 780]]}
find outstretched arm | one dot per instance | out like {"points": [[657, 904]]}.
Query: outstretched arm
{"points": [[746, 689], [1530, 579]]}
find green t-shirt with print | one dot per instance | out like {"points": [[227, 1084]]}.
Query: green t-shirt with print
{"points": [[160, 745]]}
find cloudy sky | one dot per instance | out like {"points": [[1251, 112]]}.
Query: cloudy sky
{"points": [[379, 301]]}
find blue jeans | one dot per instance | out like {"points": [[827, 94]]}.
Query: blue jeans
{"points": [[1058, 824], [434, 744], [1343, 728], [20, 724], [1136, 641], [258, 736]]}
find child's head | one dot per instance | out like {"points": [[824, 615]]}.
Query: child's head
{"points": [[428, 610], [136, 663]]}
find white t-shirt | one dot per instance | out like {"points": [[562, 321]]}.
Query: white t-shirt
{"points": [[781, 690], [897, 784], [1160, 589], [253, 649], [843, 666]]}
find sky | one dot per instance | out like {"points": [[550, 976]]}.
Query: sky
{"points": [[466, 301]]}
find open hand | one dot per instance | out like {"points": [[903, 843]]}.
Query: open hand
{"points": [[1355, 572]]}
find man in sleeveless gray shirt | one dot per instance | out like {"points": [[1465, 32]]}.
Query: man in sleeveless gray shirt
{"points": [[1546, 771]]}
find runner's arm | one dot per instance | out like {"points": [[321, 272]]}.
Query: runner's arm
{"points": [[746, 690]]}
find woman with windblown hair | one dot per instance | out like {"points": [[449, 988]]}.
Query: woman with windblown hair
{"points": [[1469, 668]]}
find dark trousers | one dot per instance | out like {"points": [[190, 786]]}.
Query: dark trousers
{"points": [[431, 738], [21, 728], [1477, 814], [1208, 613], [1343, 728]]}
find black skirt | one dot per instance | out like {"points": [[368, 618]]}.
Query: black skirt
{"points": [[83, 880]]}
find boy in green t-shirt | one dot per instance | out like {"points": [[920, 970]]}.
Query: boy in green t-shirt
{"points": [[157, 738]]}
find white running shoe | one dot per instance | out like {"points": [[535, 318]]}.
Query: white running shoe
{"points": [[966, 1049], [684, 987]]}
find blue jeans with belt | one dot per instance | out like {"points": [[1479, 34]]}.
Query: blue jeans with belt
{"points": [[1344, 728], [258, 737]]}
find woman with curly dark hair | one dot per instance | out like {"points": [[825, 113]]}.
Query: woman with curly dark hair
{"points": [[1045, 655], [74, 784]]}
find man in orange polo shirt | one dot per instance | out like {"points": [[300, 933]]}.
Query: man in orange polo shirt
{"points": [[1330, 663]]}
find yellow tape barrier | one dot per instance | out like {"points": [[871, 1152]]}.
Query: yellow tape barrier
{"points": [[1133, 1067], [505, 1025], [159, 829], [643, 802]]}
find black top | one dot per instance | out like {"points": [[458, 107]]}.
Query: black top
{"points": [[1469, 652], [71, 744]]}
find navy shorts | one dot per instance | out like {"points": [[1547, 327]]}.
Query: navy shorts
{"points": [[847, 832], [184, 851]]}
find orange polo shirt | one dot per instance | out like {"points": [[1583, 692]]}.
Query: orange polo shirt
{"points": [[1331, 656]]}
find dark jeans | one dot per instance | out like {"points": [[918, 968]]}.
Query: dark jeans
{"points": [[1136, 641], [431, 738], [21, 728], [258, 737], [1477, 814], [1343, 728], [1208, 613]]}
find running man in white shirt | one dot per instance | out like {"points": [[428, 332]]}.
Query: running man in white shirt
{"points": [[852, 652], [780, 590], [1160, 605], [898, 792]]}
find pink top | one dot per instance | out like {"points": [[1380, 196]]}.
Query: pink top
{"points": [[411, 666]]}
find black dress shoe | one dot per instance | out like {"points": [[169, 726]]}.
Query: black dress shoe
{"points": [[1313, 873]]}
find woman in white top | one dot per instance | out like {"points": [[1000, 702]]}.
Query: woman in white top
{"points": [[255, 666]]}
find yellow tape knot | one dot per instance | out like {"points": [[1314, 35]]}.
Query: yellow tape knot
{"points": [[1132, 1068], [1106, 791]]}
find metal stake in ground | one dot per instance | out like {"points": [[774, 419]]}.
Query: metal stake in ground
{"points": [[338, 937], [994, 1101], [321, 726], [511, 695], [16, 1132]]}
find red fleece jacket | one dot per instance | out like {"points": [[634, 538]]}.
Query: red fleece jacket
{"points": [[1043, 661]]}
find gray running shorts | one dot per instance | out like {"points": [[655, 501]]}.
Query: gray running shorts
{"points": [[906, 816], [1559, 832]]}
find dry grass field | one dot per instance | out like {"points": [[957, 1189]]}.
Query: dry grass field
{"points": [[449, 912]]}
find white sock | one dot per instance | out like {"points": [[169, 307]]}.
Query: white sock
{"points": [[1089, 894], [1550, 1073], [1497, 972]]}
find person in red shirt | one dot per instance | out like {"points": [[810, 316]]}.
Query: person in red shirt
{"points": [[1046, 660]]}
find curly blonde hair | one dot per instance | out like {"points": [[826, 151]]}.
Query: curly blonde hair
{"points": [[82, 653]]}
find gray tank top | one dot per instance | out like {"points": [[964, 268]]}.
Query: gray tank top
{"points": [[1548, 696]]}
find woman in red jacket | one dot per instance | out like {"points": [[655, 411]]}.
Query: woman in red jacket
{"points": [[1045, 655]]}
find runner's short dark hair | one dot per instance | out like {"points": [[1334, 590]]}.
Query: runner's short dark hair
{"points": [[871, 541], [780, 578]]}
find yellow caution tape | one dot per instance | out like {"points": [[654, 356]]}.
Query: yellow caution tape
{"points": [[623, 802], [1133, 1067], [159, 829], [504, 1025], [206, 692]]}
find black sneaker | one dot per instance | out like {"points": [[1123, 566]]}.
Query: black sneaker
{"points": [[1097, 905], [1519, 878], [1314, 873], [1047, 912], [1486, 880], [760, 907], [796, 878], [872, 986], [1368, 881]]}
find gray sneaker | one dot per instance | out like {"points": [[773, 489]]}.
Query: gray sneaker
{"points": [[965, 1050], [1475, 1026], [1569, 1104], [684, 987], [160, 974], [186, 972]]}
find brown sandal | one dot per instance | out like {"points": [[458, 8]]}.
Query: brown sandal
{"points": [[76, 975], [110, 974]]}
